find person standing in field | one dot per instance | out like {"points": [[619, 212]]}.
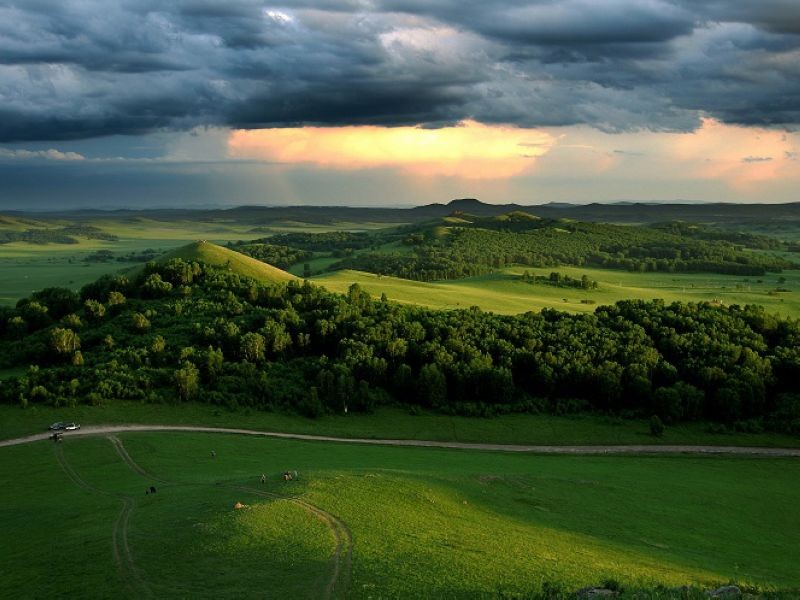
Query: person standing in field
{"points": [[263, 478]]}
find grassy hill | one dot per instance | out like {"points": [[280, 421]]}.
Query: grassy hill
{"points": [[211, 254]]}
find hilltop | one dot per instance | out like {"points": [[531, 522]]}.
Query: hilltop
{"points": [[211, 254]]}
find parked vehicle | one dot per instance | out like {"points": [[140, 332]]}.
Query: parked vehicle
{"points": [[64, 426]]}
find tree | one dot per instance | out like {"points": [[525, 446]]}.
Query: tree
{"points": [[252, 346], [64, 341], [94, 309], [59, 301], [17, 326], [155, 287], [35, 314], [214, 362], [140, 322], [667, 404], [158, 345], [397, 348], [276, 338], [306, 271], [72, 321], [187, 381], [116, 298], [357, 296], [432, 386]]}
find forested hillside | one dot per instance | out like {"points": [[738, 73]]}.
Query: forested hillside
{"points": [[181, 331], [60, 235], [463, 246]]}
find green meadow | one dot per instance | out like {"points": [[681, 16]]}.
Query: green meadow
{"points": [[504, 292], [381, 522]]}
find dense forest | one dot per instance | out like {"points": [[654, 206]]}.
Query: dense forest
{"points": [[459, 247], [183, 331]]}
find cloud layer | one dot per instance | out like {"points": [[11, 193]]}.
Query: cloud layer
{"points": [[73, 70]]}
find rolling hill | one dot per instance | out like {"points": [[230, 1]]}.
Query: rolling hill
{"points": [[212, 254]]}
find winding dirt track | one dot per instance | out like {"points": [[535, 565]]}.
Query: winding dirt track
{"points": [[632, 449], [123, 556]]}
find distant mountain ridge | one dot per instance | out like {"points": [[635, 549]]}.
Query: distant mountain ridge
{"points": [[622, 212]]}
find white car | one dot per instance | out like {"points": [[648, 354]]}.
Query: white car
{"points": [[62, 426]]}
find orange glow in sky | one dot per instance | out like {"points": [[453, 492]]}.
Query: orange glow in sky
{"points": [[469, 150], [745, 162], [744, 156]]}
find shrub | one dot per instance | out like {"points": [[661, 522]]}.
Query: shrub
{"points": [[656, 426]]}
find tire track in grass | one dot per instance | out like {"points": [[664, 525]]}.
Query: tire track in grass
{"points": [[341, 562], [123, 454], [123, 557]]}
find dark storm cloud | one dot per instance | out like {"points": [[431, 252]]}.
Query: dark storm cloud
{"points": [[781, 16], [570, 23], [72, 70]]}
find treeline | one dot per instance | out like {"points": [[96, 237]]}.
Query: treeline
{"points": [[559, 280], [62, 235], [701, 232], [342, 242], [106, 256], [280, 256], [475, 250], [184, 331]]}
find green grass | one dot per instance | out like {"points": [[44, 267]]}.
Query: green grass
{"points": [[503, 292], [390, 423], [49, 527], [319, 263], [424, 522]]}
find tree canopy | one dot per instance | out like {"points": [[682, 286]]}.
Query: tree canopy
{"points": [[192, 331]]}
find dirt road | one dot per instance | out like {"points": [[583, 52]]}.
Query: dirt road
{"points": [[633, 449]]}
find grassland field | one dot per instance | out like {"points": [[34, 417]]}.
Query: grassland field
{"points": [[504, 292], [422, 522]]}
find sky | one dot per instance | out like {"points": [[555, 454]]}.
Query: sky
{"points": [[158, 103]]}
